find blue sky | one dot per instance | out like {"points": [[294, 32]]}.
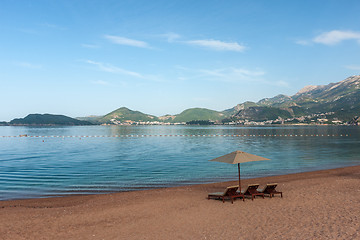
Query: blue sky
{"points": [[81, 58]]}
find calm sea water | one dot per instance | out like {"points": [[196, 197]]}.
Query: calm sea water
{"points": [[33, 167]]}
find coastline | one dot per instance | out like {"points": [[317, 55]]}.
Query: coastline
{"points": [[323, 204], [6, 124]]}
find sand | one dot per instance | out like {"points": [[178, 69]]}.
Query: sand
{"points": [[316, 205]]}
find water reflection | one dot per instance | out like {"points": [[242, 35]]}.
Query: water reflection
{"points": [[37, 167]]}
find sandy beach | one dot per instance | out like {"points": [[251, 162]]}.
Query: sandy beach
{"points": [[316, 205]]}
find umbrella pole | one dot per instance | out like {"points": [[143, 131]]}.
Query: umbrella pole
{"points": [[239, 176]]}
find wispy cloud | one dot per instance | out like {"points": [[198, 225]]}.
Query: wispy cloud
{"points": [[113, 69], [233, 74], [334, 37], [40, 28], [126, 41], [353, 67], [303, 42], [53, 26], [171, 37], [105, 67], [90, 46], [229, 75], [101, 82], [218, 45], [28, 65], [280, 83], [28, 31]]}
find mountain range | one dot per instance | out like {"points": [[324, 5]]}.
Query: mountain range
{"points": [[336, 101], [339, 100]]}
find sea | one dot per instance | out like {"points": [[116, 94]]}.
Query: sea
{"points": [[39, 162]]}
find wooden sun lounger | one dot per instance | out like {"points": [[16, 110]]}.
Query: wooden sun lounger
{"points": [[251, 190], [270, 189], [230, 192]]}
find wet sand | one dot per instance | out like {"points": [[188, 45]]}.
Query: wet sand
{"points": [[316, 205]]}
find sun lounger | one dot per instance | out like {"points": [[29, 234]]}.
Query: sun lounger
{"points": [[251, 190], [230, 192], [270, 189]]}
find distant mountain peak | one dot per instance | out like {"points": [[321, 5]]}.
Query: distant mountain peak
{"points": [[277, 100], [309, 88], [350, 81], [340, 99]]}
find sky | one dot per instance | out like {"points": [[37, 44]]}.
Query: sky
{"points": [[90, 57]]}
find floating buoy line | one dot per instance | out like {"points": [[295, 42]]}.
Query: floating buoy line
{"points": [[182, 135]]}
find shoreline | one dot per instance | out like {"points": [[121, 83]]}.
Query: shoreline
{"points": [[165, 186], [182, 124], [321, 204]]}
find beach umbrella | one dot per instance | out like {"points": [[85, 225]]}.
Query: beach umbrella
{"points": [[238, 157]]}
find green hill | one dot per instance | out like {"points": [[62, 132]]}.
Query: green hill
{"points": [[124, 114], [48, 119], [193, 114]]}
